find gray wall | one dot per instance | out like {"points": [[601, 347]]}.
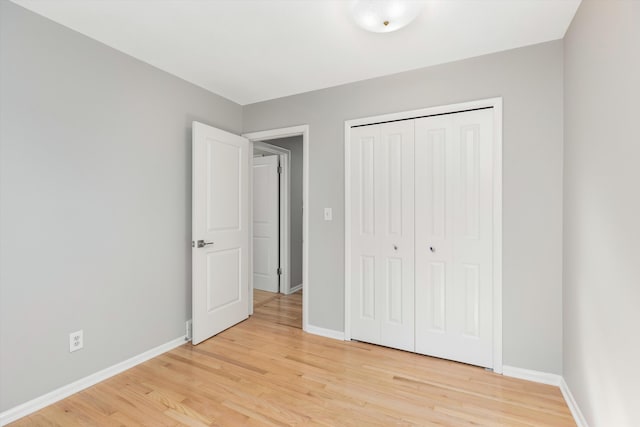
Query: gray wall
{"points": [[602, 212], [530, 82], [95, 203], [294, 144]]}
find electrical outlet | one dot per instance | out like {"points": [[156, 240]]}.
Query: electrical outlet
{"points": [[188, 331], [76, 341]]}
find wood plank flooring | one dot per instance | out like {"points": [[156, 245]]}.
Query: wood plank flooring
{"points": [[277, 308], [267, 372]]}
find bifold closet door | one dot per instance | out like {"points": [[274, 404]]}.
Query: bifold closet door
{"points": [[382, 234], [454, 236]]}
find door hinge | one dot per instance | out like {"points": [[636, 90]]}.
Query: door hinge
{"points": [[279, 271], [279, 169]]}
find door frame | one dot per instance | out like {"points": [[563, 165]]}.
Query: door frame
{"points": [[266, 135], [496, 104], [284, 181]]}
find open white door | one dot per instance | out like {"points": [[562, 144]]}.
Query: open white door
{"points": [[220, 283], [265, 224]]}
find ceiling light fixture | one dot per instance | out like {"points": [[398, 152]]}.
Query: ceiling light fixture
{"points": [[384, 16]]}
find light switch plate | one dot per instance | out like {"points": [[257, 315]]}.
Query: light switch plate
{"points": [[328, 214]]}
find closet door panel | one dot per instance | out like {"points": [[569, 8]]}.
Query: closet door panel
{"points": [[382, 290], [434, 234], [473, 237], [365, 268], [395, 244], [453, 255]]}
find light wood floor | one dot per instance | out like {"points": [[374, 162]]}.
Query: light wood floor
{"points": [[267, 371], [277, 308]]}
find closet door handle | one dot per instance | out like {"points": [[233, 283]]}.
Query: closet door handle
{"points": [[432, 249], [395, 247]]}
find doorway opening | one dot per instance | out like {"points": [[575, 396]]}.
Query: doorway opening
{"points": [[279, 218], [277, 230]]}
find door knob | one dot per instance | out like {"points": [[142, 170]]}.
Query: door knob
{"points": [[432, 249], [395, 247], [202, 243]]}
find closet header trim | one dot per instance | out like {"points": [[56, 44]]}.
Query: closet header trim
{"points": [[421, 117]]}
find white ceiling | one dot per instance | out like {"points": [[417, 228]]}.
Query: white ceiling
{"points": [[255, 50]]}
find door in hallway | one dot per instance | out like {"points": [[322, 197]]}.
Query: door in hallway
{"points": [[266, 248]]}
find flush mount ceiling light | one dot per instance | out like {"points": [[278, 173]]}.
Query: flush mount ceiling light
{"points": [[384, 16]]}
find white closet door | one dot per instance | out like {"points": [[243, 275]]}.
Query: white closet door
{"points": [[365, 319], [454, 236], [382, 235]]}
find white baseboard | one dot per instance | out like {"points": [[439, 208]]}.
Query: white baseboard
{"points": [[530, 375], [572, 404], [54, 396], [551, 379], [295, 289], [328, 333]]}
